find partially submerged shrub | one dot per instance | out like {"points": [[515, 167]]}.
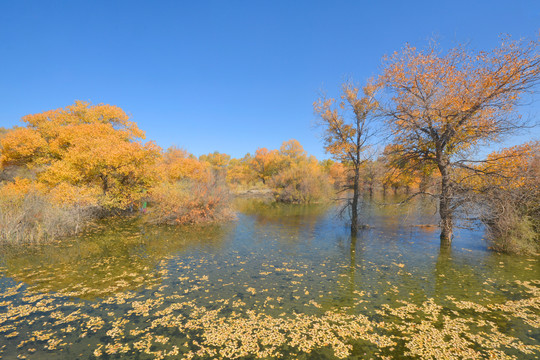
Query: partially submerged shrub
{"points": [[190, 202], [512, 221], [301, 184], [512, 201], [30, 215]]}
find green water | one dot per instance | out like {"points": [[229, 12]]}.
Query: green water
{"points": [[280, 282]]}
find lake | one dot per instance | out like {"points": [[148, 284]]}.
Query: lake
{"points": [[282, 281]]}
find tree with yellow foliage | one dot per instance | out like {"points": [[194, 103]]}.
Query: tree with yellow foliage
{"points": [[292, 152], [87, 147], [266, 163], [240, 171], [336, 171], [10, 172], [177, 164], [443, 106], [300, 178], [189, 191], [347, 139], [301, 183], [3, 131], [217, 161]]}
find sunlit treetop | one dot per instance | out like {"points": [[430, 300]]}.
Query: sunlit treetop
{"points": [[292, 150], [451, 101], [83, 113], [177, 164], [346, 136], [216, 159], [51, 134]]}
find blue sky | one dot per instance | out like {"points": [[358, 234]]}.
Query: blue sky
{"points": [[223, 75]]}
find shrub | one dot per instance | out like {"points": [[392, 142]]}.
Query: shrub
{"points": [[512, 221], [33, 217], [190, 202], [512, 201]]}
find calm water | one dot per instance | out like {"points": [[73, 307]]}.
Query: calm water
{"points": [[281, 281]]}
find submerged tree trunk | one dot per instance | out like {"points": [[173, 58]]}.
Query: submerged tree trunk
{"points": [[445, 209], [447, 225], [354, 203], [352, 269]]}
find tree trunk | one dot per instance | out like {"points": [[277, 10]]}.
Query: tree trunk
{"points": [[356, 195], [423, 184], [352, 269], [445, 210], [105, 183]]}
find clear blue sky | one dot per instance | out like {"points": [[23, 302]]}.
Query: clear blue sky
{"points": [[223, 75]]}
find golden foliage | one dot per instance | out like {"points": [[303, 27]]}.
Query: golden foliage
{"points": [[240, 171], [292, 152], [266, 163], [301, 182], [85, 146], [516, 164], [346, 140], [177, 164], [218, 161]]}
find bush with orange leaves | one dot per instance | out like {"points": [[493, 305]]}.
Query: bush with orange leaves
{"points": [[190, 201]]}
